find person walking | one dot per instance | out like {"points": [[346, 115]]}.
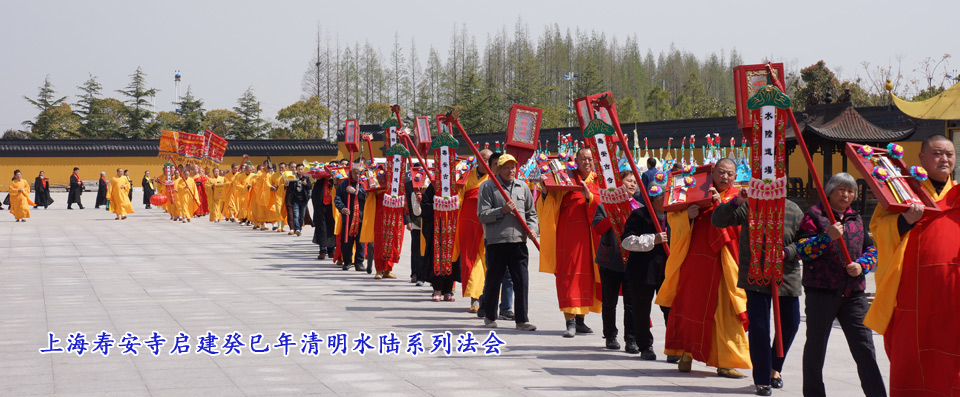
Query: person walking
{"points": [[507, 240]]}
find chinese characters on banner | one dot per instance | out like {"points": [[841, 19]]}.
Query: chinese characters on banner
{"points": [[309, 344]]}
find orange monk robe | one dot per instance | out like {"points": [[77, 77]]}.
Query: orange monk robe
{"points": [[568, 246], [255, 201], [215, 192], [707, 310], [916, 274], [468, 245], [279, 198], [264, 211], [227, 207], [117, 193], [242, 194], [20, 202], [187, 198]]}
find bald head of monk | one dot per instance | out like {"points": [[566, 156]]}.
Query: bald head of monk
{"points": [[485, 156], [724, 174], [938, 157]]}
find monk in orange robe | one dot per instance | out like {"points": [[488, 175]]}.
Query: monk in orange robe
{"points": [[117, 193], [185, 191], [568, 246], [279, 197], [229, 193], [708, 313], [918, 276], [20, 197]]}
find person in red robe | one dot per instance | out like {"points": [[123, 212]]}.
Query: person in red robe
{"points": [[568, 246], [707, 311], [201, 181], [918, 275], [469, 241]]}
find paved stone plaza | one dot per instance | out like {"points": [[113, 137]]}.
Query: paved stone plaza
{"points": [[81, 271]]}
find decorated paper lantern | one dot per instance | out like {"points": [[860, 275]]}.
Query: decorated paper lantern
{"points": [[158, 200]]}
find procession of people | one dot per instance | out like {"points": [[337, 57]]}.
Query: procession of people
{"points": [[713, 310]]}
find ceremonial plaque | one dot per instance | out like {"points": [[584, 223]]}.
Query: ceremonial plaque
{"points": [[682, 194], [351, 135], [523, 131], [422, 134], [895, 185], [585, 112], [747, 80]]}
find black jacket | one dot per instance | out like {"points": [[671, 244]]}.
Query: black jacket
{"points": [[645, 268], [343, 199], [608, 251], [76, 189], [41, 194], [297, 191]]}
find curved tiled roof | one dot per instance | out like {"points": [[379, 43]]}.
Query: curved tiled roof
{"points": [[841, 122]]}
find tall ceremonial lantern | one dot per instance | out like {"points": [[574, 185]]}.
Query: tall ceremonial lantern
{"points": [[600, 137], [393, 199], [446, 202]]}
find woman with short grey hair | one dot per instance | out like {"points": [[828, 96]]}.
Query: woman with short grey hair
{"points": [[841, 179], [834, 288]]}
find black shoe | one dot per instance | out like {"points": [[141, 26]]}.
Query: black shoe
{"points": [[358, 267], [673, 359], [764, 390], [345, 266], [582, 327], [481, 312], [81, 207], [632, 348], [776, 383], [571, 330], [369, 268], [612, 343], [648, 354], [507, 315], [67, 208]]}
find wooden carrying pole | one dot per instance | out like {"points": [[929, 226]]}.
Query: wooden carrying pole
{"points": [[452, 118], [810, 167], [413, 148], [606, 101]]}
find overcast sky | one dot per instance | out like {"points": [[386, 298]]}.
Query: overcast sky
{"points": [[222, 47]]}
